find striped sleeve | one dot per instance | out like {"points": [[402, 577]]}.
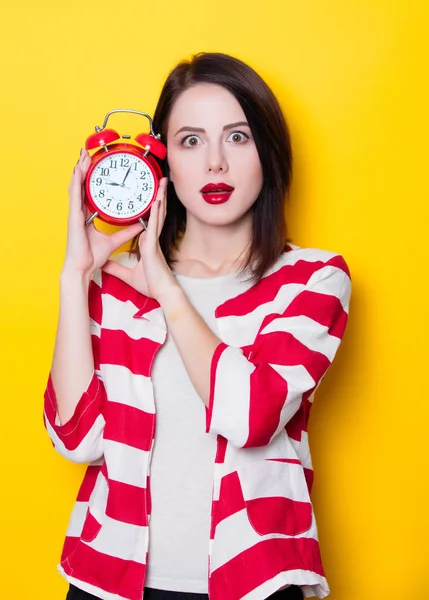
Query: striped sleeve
{"points": [[252, 399], [80, 439]]}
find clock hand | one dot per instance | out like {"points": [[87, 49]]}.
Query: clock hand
{"points": [[117, 184], [126, 175]]}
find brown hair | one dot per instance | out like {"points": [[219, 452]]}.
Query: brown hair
{"points": [[272, 140]]}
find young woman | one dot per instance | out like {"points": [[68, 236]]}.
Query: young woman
{"points": [[184, 371]]}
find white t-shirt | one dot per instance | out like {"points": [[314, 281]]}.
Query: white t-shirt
{"points": [[181, 472]]}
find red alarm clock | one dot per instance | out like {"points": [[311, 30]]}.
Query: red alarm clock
{"points": [[123, 178]]}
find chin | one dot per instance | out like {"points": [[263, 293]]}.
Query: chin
{"points": [[224, 218]]}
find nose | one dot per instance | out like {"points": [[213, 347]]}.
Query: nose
{"points": [[216, 160]]}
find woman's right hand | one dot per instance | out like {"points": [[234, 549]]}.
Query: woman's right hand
{"points": [[88, 248]]}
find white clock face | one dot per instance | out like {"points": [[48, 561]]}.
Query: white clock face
{"points": [[122, 185]]}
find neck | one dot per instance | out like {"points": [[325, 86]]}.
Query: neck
{"points": [[216, 249]]}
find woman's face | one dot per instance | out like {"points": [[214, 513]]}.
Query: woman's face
{"points": [[210, 142]]}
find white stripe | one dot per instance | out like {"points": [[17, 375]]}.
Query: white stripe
{"points": [[97, 503], [77, 519], [126, 464], [298, 381], [304, 451], [94, 328], [313, 584], [298, 378], [333, 282], [241, 330], [156, 316], [307, 331], [280, 479], [96, 277], [309, 255], [277, 448], [230, 415], [125, 387], [233, 535], [119, 316], [89, 449], [87, 587], [121, 540]]}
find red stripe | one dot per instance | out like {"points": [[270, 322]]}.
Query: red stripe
{"points": [[69, 546], [213, 368], [88, 483], [222, 444], [292, 461], [114, 575], [298, 423], [282, 348], [322, 308], [230, 500], [118, 348], [309, 477], [129, 425], [91, 527], [148, 497], [268, 392], [95, 306], [279, 515], [127, 503], [95, 341], [256, 565], [339, 262], [123, 292], [268, 288], [86, 412]]}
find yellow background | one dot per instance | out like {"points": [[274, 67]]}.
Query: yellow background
{"points": [[352, 79]]}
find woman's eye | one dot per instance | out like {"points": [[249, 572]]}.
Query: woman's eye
{"points": [[238, 137], [190, 140]]}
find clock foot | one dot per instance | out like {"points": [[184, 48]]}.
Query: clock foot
{"points": [[91, 218], [143, 222]]}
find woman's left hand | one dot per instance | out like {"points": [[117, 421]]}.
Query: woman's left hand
{"points": [[151, 276]]}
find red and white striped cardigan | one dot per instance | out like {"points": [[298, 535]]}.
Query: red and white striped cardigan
{"points": [[278, 339]]}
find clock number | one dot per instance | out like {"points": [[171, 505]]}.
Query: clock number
{"points": [[125, 162], [145, 187], [105, 171], [135, 167], [113, 164], [130, 205], [109, 201], [101, 194], [119, 206], [143, 175], [98, 181], [139, 198]]}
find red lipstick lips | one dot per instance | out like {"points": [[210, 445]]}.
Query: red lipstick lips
{"points": [[216, 193]]}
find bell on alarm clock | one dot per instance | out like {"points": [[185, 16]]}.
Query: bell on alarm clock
{"points": [[123, 179]]}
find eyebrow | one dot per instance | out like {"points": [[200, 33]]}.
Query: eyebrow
{"points": [[201, 130]]}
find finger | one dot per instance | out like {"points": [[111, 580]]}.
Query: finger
{"points": [[75, 192], [163, 208], [152, 227], [85, 162], [117, 270], [155, 220], [124, 235]]}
